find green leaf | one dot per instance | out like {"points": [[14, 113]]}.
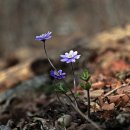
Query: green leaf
{"points": [[86, 86], [85, 75], [77, 94], [60, 87], [82, 85]]}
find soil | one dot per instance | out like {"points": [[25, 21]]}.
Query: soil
{"points": [[39, 109]]}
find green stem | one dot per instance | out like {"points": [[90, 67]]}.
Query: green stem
{"points": [[74, 80], [86, 118], [61, 102], [82, 114], [49, 58], [88, 96]]}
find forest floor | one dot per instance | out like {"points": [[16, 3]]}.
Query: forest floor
{"points": [[27, 101]]}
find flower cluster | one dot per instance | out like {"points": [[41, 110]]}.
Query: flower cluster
{"points": [[68, 57]]}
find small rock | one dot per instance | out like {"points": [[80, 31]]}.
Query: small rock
{"points": [[94, 107], [123, 118], [65, 119], [3, 127]]}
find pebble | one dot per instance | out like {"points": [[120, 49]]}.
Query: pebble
{"points": [[123, 118], [3, 127], [66, 120]]}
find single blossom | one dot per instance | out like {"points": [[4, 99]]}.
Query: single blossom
{"points": [[44, 37], [57, 75], [70, 57]]}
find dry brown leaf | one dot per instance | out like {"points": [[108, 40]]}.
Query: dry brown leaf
{"points": [[98, 85], [96, 93], [115, 98], [116, 84], [108, 107], [123, 90], [122, 99]]}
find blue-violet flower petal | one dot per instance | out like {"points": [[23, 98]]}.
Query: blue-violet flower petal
{"points": [[70, 57], [58, 75], [44, 37]]}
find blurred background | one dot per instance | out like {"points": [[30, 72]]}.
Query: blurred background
{"points": [[22, 20]]}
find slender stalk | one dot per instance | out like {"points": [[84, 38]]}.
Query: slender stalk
{"points": [[69, 98], [82, 114], [86, 118], [76, 103], [74, 80], [49, 58], [61, 102], [88, 96]]}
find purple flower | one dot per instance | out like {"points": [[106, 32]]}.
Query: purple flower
{"points": [[70, 57], [58, 75], [44, 36]]}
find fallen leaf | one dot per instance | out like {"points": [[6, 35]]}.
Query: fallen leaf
{"points": [[98, 85], [108, 107], [123, 90], [119, 65], [96, 93]]}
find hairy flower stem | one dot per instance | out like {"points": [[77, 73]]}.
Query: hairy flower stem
{"points": [[58, 97], [86, 118], [88, 97], [81, 113], [74, 80], [49, 58]]}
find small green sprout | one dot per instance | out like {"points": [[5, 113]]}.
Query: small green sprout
{"points": [[86, 86], [85, 76]]}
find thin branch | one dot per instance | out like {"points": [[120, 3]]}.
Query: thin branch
{"points": [[113, 90]]}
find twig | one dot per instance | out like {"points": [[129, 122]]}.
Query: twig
{"points": [[113, 90]]}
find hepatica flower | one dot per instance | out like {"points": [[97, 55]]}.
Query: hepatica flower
{"points": [[59, 75], [70, 57], [44, 37]]}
